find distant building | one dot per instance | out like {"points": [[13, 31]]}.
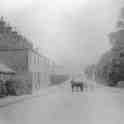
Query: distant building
{"points": [[19, 55], [58, 69]]}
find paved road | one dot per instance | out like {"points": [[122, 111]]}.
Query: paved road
{"points": [[94, 106]]}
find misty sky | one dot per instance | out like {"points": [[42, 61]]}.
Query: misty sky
{"points": [[71, 32]]}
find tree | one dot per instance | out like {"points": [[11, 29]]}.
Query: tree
{"points": [[110, 68]]}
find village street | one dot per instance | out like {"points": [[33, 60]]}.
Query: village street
{"points": [[96, 105]]}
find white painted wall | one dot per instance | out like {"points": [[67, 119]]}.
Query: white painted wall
{"points": [[38, 66]]}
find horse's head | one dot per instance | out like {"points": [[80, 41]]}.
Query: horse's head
{"points": [[71, 81]]}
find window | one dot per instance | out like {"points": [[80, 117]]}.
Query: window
{"points": [[34, 76], [36, 80], [35, 59], [39, 81]]}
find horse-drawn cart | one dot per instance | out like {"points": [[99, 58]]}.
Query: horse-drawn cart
{"points": [[78, 82]]}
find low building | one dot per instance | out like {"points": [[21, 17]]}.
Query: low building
{"points": [[6, 72]]}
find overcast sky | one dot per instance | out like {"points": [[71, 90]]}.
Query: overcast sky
{"points": [[71, 32]]}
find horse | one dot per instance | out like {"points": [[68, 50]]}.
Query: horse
{"points": [[77, 84]]}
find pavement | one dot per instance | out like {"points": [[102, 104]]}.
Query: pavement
{"points": [[6, 101]]}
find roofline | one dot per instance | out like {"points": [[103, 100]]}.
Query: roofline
{"points": [[23, 49], [13, 49]]}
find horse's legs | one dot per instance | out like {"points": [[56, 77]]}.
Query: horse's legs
{"points": [[81, 87], [77, 88], [72, 86]]}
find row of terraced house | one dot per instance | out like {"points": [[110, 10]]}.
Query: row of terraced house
{"points": [[19, 55]]}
